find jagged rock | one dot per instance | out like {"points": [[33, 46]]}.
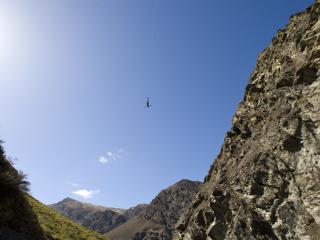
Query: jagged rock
{"points": [[265, 183]]}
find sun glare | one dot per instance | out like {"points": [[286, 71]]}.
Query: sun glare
{"points": [[11, 53], [6, 37]]}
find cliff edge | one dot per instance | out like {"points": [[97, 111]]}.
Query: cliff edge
{"points": [[265, 183]]}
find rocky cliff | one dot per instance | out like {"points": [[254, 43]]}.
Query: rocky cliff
{"points": [[265, 183]]}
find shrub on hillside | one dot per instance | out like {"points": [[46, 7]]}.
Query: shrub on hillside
{"points": [[10, 178]]}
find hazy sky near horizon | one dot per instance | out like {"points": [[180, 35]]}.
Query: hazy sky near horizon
{"points": [[75, 75]]}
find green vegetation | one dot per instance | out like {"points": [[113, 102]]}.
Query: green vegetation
{"points": [[58, 227], [10, 179], [23, 217], [16, 219]]}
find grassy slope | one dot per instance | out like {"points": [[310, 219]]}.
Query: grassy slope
{"points": [[17, 220], [58, 227]]}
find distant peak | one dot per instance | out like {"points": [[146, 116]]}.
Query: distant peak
{"points": [[68, 199], [187, 182]]}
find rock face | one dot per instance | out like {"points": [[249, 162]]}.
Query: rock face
{"points": [[135, 211], [98, 218], [165, 209], [265, 183], [158, 219]]}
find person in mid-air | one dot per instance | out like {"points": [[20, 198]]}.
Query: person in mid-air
{"points": [[148, 103]]}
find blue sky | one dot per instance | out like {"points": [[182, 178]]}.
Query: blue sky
{"points": [[74, 77]]}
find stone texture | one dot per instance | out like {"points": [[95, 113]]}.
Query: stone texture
{"points": [[165, 209], [265, 183]]}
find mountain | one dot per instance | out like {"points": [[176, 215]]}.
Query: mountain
{"points": [[24, 218], [265, 183], [158, 219], [69, 204], [144, 221], [98, 218], [57, 227]]}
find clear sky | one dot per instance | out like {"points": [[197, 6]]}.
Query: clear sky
{"points": [[75, 75]]}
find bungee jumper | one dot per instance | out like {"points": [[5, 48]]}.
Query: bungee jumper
{"points": [[148, 103]]}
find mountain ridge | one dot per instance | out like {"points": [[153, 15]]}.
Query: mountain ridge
{"points": [[91, 206], [98, 218], [140, 222]]}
